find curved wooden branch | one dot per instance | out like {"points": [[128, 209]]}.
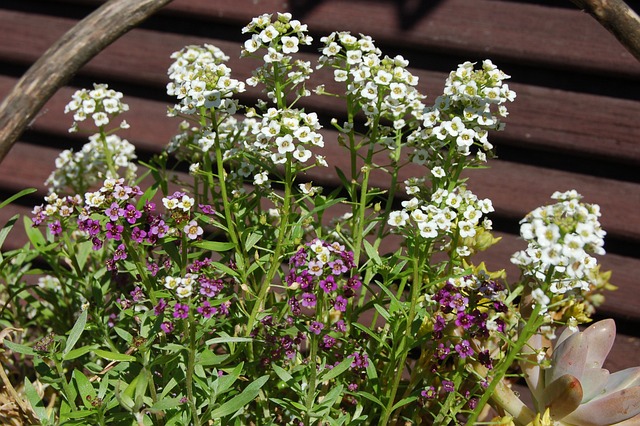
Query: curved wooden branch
{"points": [[617, 17], [62, 60]]}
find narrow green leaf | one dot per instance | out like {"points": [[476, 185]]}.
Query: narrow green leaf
{"points": [[85, 388], [16, 196], [76, 353], [34, 399], [239, 401], [372, 253], [403, 401], [252, 240], [166, 404], [336, 371], [282, 373], [114, 356], [228, 339], [216, 246], [370, 397], [76, 332], [7, 228], [18, 348], [34, 234]]}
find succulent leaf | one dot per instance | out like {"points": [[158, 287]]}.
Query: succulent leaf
{"points": [[562, 396], [568, 358], [607, 410], [600, 337]]}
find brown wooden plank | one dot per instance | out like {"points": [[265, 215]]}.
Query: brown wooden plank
{"points": [[541, 118], [563, 38]]}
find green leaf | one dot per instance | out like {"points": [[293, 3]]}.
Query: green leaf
{"points": [[7, 228], [336, 371], [35, 401], [34, 234], [216, 246], [76, 332], [372, 253], [239, 401], [166, 404], [282, 373], [85, 389], [76, 353], [370, 397], [228, 339], [403, 401], [19, 349], [16, 196], [114, 356], [252, 240]]}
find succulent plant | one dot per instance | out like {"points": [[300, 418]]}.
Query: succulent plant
{"points": [[575, 389]]}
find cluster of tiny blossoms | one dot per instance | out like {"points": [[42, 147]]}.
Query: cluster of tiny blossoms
{"points": [[463, 315], [286, 135], [455, 213], [560, 238], [463, 115], [382, 86], [199, 78], [101, 104], [90, 164], [105, 154], [280, 38]]}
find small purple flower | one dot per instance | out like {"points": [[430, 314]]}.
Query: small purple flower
{"points": [[352, 387], [328, 284], [111, 322], [429, 392], [359, 360], [120, 253], [464, 320], [442, 351], [210, 287], [137, 294], [206, 209], [340, 326], [308, 300], [160, 307], [167, 327], [316, 327], [458, 302], [464, 349], [114, 212], [338, 267], [97, 243], [485, 359], [114, 231], [180, 311], [439, 324], [55, 227], [149, 207], [153, 268], [206, 310], [132, 214], [328, 341], [340, 304], [448, 386], [138, 235]]}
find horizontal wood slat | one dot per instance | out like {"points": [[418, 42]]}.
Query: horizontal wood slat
{"points": [[560, 134]]}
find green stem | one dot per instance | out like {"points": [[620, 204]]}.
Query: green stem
{"points": [[191, 362], [416, 286], [278, 252], [65, 385], [500, 371], [311, 389]]}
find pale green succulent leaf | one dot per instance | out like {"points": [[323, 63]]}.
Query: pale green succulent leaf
{"points": [[562, 396], [569, 357], [593, 383], [607, 410], [600, 337], [623, 379]]}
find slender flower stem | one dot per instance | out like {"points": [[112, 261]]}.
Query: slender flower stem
{"points": [[191, 361]]}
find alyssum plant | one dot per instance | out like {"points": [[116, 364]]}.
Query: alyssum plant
{"points": [[243, 294]]}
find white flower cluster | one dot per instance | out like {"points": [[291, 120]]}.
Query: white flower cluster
{"points": [[383, 86], [183, 286], [201, 79], [448, 213], [280, 38], [560, 239], [101, 104], [464, 114], [90, 164], [284, 135]]}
